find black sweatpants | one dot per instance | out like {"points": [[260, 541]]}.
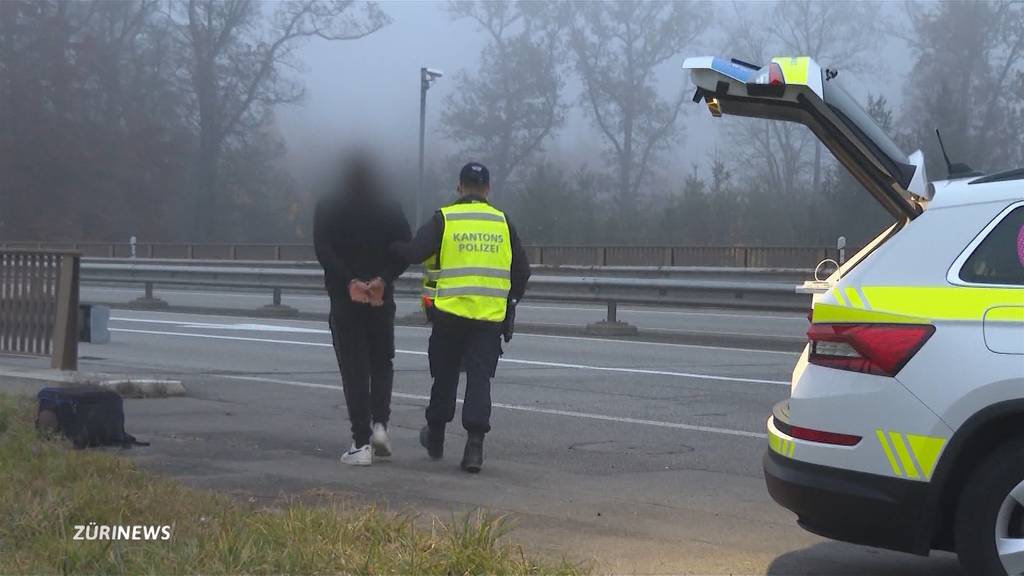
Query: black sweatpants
{"points": [[472, 345], [364, 343]]}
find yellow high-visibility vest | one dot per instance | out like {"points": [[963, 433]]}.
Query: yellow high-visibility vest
{"points": [[473, 279]]}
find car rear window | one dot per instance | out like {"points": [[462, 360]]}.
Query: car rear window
{"points": [[999, 259]]}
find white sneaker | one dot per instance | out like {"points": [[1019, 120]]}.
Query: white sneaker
{"points": [[358, 456], [381, 442]]}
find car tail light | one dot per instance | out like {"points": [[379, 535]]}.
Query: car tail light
{"points": [[769, 81], [819, 436], [881, 349]]}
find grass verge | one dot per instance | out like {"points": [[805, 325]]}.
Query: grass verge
{"points": [[47, 489]]}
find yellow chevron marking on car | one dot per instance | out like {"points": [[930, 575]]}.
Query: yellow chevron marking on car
{"points": [[853, 297], [924, 450], [863, 298], [901, 451], [794, 69], [888, 453], [838, 295], [779, 444]]}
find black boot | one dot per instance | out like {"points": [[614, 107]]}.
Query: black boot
{"points": [[432, 438], [473, 457]]}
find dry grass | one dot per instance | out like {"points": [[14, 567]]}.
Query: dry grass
{"points": [[46, 489]]}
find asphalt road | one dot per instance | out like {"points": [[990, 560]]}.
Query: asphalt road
{"points": [[639, 457], [683, 320]]}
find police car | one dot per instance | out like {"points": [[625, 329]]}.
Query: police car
{"points": [[905, 423]]}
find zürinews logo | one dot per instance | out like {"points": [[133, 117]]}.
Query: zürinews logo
{"points": [[93, 531]]}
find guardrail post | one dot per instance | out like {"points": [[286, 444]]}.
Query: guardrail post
{"points": [[148, 301], [276, 308], [611, 326], [234, 251], [277, 252], [65, 329]]}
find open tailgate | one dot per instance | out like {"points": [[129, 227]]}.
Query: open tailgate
{"points": [[799, 90]]}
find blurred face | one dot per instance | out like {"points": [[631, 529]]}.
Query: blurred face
{"points": [[358, 177]]}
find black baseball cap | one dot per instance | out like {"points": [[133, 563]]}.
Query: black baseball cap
{"points": [[474, 174]]}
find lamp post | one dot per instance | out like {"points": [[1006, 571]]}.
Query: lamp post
{"points": [[427, 77]]}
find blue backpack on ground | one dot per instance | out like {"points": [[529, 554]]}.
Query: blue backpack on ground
{"points": [[86, 415]]}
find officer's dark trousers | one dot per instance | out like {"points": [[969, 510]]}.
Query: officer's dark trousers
{"points": [[364, 342], [474, 346]]}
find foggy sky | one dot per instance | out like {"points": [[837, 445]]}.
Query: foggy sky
{"points": [[366, 92]]}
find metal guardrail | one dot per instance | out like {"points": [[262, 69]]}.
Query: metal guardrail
{"points": [[758, 290], [39, 305], [727, 256]]}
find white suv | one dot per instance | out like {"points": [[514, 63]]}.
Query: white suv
{"points": [[905, 426]]}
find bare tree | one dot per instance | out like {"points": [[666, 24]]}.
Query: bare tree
{"points": [[237, 71], [981, 110], [618, 46], [774, 152], [836, 34], [503, 114]]}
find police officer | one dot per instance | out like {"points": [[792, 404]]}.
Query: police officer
{"points": [[480, 267], [352, 233]]}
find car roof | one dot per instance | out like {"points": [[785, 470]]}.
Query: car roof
{"points": [[961, 192]]}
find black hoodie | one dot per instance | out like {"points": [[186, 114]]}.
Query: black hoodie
{"points": [[351, 235]]}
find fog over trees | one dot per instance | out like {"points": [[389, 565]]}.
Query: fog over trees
{"points": [[168, 119]]}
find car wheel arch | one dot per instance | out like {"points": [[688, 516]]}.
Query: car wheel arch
{"points": [[979, 435]]}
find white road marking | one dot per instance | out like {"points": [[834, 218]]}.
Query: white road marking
{"points": [[533, 409], [522, 335], [503, 360]]}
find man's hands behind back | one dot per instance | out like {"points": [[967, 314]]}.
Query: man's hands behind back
{"points": [[375, 290], [371, 292]]}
